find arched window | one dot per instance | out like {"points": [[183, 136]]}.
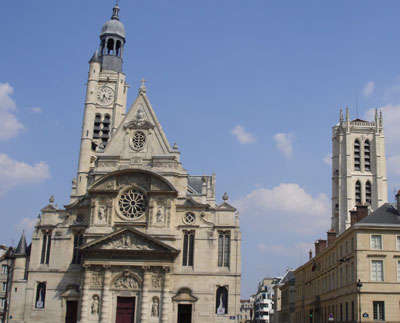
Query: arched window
{"points": [[118, 48], [358, 192], [110, 46], [221, 303], [357, 155], [40, 295], [103, 45], [368, 193], [367, 155], [96, 127], [105, 130]]}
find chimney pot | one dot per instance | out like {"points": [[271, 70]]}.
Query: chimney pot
{"points": [[331, 235], [310, 254]]}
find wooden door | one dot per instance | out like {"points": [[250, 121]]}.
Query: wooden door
{"points": [[184, 313], [71, 315], [125, 310]]}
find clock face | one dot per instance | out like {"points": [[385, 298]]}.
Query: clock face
{"points": [[105, 95]]}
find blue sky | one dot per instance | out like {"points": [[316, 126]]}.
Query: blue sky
{"points": [[248, 90]]}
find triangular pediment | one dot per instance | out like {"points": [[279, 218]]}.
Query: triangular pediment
{"points": [[225, 206], [129, 239], [140, 119], [49, 209]]}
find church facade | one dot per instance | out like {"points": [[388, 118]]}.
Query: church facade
{"points": [[141, 239]]}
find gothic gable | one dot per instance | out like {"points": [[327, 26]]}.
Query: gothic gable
{"points": [[139, 136]]}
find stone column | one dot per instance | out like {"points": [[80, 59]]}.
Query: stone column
{"points": [[144, 312], [105, 302], [165, 297], [85, 295]]}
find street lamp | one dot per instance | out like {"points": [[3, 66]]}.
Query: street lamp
{"points": [[359, 285]]}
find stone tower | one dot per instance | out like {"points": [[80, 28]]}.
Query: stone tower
{"points": [[358, 167], [105, 102]]}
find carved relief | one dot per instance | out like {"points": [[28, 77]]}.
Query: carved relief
{"points": [[105, 186], [104, 163], [102, 214], [141, 180], [127, 241], [126, 281], [156, 281], [96, 280]]}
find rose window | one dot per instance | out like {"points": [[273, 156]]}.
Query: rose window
{"points": [[138, 140], [132, 204], [189, 218]]}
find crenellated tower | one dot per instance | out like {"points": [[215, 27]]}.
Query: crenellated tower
{"points": [[358, 167], [105, 103]]}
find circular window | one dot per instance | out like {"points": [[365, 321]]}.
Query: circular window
{"points": [[189, 218], [132, 204], [138, 140], [79, 218]]}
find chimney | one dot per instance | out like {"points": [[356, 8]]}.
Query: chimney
{"points": [[322, 245], [316, 247], [310, 254], [362, 212], [398, 201], [331, 234], [353, 217]]}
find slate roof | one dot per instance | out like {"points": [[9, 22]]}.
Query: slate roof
{"points": [[196, 183], [385, 215]]}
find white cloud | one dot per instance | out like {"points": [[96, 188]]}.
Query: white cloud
{"points": [[369, 88], [243, 136], [10, 126], [36, 110], [284, 143], [27, 225], [14, 173], [328, 159], [287, 207]]}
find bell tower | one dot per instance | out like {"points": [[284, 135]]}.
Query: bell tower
{"points": [[105, 103], [358, 167]]}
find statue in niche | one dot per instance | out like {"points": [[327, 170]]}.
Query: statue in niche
{"points": [[160, 216], [95, 305], [102, 216], [154, 307]]}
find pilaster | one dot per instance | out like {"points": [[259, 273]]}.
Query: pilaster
{"points": [[105, 303], [144, 312], [165, 296], [85, 296]]}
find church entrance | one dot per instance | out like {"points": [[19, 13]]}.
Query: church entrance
{"points": [[184, 313], [125, 310], [71, 315]]}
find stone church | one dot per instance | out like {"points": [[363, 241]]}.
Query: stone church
{"points": [[141, 240]]}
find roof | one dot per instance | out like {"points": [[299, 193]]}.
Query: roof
{"points": [[22, 246], [385, 215], [196, 183], [289, 277]]}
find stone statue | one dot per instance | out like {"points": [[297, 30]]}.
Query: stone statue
{"points": [[154, 307], [95, 304], [160, 216], [102, 214]]}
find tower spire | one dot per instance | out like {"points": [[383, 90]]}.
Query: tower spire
{"points": [[115, 15]]}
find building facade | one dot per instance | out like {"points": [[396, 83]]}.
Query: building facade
{"points": [[263, 300], [3, 283], [358, 167], [246, 310], [141, 240], [356, 274]]}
